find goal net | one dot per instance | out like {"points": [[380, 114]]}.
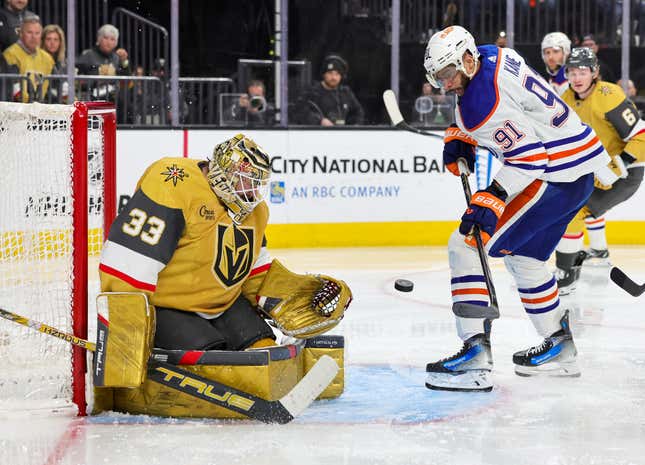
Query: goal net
{"points": [[57, 196]]}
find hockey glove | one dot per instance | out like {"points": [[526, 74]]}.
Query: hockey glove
{"points": [[612, 172], [485, 209], [458, 144]]}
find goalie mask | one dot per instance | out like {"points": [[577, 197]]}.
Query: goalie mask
{"points": [[239, 175], [444, 54]]}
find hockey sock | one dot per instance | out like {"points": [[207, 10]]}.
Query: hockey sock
{"points": [[596, 230], [571, 242]]}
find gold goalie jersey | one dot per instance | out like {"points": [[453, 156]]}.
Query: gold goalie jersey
{"points": [[613, 117], [176, 242]]}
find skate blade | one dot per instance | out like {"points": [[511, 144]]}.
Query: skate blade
{"points": [[552, 369], [468, 381]]}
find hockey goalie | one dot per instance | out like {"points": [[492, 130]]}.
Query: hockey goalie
{"points": [[192, 240]]}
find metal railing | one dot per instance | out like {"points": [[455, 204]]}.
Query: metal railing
{"points": [[90, 16], [198, 99], [485, 18], [144, 40]]}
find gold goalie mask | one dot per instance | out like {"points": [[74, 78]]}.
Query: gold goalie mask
{"points": [[303, 306], [239, 175]]}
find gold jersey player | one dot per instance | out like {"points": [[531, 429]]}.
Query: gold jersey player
{"points": [[192, 238], [615, 119]]}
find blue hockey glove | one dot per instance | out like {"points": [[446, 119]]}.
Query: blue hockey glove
{"points": [[485, 209]]}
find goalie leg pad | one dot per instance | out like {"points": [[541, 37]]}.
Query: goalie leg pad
{"points": [[124, 339]]}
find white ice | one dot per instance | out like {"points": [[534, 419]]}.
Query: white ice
{"points": [[386, 415]]}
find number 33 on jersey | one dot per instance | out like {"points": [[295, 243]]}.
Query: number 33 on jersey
{"points": [[175, 241]]}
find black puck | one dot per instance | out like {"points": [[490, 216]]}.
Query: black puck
{"points": [[403, 285]]}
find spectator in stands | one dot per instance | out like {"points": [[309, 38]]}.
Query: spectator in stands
{"points": [[104, 59], [53, 42], [6, 83], [11, 17], [631, 88], [253, 107], [501, 40], [31, 61], [433, 107], [606, 73], [329, 102]]}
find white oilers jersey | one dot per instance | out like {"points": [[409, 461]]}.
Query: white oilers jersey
{"points": [[511, 110], [559, 81]]}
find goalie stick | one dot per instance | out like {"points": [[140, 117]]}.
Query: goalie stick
{"points": [[268, 411], [626, 283]]}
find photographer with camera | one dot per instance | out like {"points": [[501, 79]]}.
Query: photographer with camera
{"points": [[253, 107]]}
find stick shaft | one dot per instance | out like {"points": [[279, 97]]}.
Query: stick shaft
{"points": [[46, 329], [481, 251]]}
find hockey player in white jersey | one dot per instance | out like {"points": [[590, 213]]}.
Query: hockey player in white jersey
{"points": [[548, 158], [556, 47]]}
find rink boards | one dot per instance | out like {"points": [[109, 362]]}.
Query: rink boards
{"points": [[346, 187]]}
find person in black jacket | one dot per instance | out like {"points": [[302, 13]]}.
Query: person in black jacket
{"points": [[329, 102], [104, 59], [11, 17]]}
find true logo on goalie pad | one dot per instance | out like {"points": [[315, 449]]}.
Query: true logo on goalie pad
{"points": [[204, 389]]}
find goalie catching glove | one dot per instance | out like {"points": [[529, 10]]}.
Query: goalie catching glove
{"points": [[303, 306]]}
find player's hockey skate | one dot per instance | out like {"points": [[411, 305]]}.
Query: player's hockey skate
{"points": [[467, 370], [568, 270], [556, 356], [597, 257]]}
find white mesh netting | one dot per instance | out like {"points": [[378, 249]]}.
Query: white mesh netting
{"points": [[36, 272]]}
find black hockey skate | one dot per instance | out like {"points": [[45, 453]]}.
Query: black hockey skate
{"points": [[467, 370], [556, 356], [568, 270], [597, 257]]}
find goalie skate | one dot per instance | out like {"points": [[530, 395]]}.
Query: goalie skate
{"points": [[467, 370], [556, 356]]}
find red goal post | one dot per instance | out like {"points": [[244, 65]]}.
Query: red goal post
{"points": [[57, 200]]}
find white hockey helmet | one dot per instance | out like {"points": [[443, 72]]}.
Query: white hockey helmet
{"points": [[556, 40], [446, 48]]}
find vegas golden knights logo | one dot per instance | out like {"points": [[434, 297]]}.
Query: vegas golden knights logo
{"points": [[234, 253]]}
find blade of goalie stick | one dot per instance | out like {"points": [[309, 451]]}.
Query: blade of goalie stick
{"points": [[626, 283], [392, 107], [45, 329], [268, 411]]}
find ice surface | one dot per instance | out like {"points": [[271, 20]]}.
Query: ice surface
{"points": [[386, 415]]}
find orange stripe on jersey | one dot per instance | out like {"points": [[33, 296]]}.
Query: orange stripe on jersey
{"points": [[471, 290], [568, 153], [499, 62], [539, 300], [519, 201], [537, 157]]}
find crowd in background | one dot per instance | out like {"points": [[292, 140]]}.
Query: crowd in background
{"points": [[33, 68]]}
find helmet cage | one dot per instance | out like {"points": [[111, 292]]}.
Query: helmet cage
{"points": [[239, 175], [445, 48]]}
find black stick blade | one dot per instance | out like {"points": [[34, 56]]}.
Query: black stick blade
{"points": [[623, 281]]}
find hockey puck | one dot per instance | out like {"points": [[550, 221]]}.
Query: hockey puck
{"points": [[403, 285]]}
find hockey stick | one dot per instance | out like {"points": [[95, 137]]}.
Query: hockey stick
{"points": [[626, 283], [392, 107], [45, 329], [268, 411], [278, 411], [463, 174]]}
